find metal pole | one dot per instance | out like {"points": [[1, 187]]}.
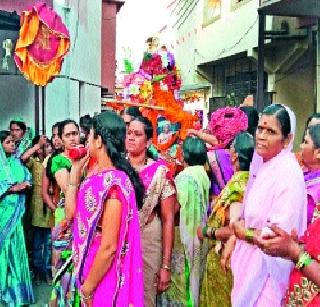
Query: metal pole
{"points": [[36, 110], [259, 103]]}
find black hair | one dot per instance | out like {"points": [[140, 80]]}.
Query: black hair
{"points": [[194, 151], [148, 130], [56, 125], [3, 135], [314, 132], [253, 118], [132, 111], [311, 117], [21, 125], [112, 129], [243, 145], [65, 123], [282, 116], [86, 123]]}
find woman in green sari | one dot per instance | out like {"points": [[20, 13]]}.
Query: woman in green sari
{"points": [[15, 179], [192, 186], [217, 283]]}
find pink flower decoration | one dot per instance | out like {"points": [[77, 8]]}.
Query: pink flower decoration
{"points": [[226, 123]]}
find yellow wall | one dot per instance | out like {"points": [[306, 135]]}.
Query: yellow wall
{"points": [[297, 91]]}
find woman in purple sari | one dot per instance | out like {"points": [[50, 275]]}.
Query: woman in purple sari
{"points": [[157, 213], [106, 238]]}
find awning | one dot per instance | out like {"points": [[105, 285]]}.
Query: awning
{"points": [[294, 8], [194, 87]]}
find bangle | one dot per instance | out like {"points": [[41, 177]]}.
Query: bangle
{"points": [[249, 235], [205, 231], [165, 267], [213, 233], [304, 260], [86, 298], [70, 184]]}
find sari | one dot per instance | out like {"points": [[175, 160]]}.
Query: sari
{"points": [[302, 291], [15, 281], [312, 181], [64, 290], [158, 186], [276, 195], [188, 253], [122, 285], [216, 285], [220, 163]]}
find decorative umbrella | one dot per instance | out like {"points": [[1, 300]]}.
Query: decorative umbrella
{"points": [[42, 44]]}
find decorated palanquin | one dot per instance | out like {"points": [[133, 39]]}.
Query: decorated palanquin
{"points": [[303, 292], [154, 88], [42, 44]]}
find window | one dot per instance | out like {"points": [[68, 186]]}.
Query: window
{"points": [[211, 11]]}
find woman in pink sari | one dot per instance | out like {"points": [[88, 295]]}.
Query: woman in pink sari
{"points": [[275, 194], [157, 213], [106, 238]]}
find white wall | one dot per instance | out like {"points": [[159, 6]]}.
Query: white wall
{"points": [[217, 40]]}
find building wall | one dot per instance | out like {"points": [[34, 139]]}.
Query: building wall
{"points": [[296, 90], [77, 90], [109, 12], [218, 39]]}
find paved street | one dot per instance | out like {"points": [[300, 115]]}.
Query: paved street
{"points": [[42, 295]]}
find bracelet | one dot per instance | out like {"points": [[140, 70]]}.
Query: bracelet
{"points": [[166, 267], [213, 233], [86, 298], [73, 184], [304, 260], [205, 231], [249, 235]]}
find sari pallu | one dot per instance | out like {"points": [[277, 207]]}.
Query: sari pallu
{"points": [[312, 181], [158, 186], [216, 285], [15, 281], [302, 291], [122, 285], [220, 163]]}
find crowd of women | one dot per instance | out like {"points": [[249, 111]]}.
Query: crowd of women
{"points": [[236, 226]]}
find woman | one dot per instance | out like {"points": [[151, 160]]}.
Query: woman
{"points": [[157, 213], [189, 253], [217, 284], [15, 179], [224, 125], [275, 194], [42, 218], [63, 284], [107, 251], [304, 282]]}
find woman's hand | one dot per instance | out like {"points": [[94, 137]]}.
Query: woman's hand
{"points": [[281, 244], [239, 229], [227, 252], [86, 292], [199, 233], [193, 132], [163, 280], [80, 165], [20, 187]]}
